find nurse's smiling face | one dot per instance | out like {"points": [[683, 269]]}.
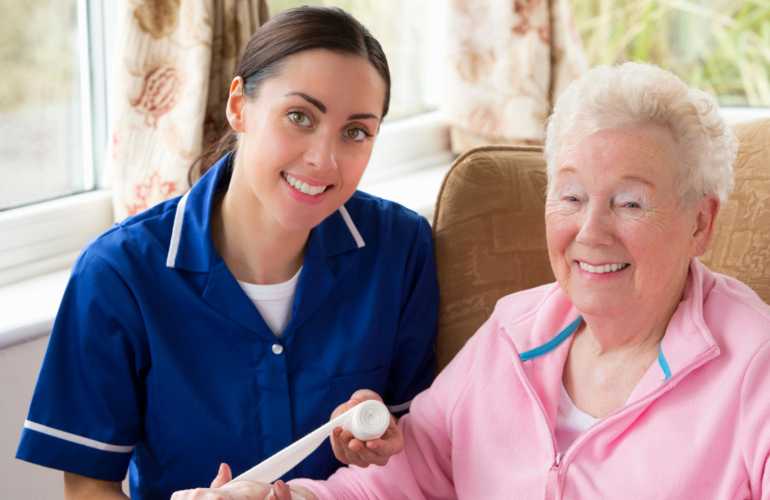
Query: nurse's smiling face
{"points": [[310, 126]]}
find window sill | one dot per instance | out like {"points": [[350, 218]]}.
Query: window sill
{"points": [[28, 308]]}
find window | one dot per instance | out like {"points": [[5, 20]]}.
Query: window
{"points": [[51, 100], [410, 33], [719, 46], [52, 132]]}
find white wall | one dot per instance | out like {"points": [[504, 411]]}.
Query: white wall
{"points": [[19, 367]]}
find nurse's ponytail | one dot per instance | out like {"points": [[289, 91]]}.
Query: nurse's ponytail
{"points": [[290, 32]]}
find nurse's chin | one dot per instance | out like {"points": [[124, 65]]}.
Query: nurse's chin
{"points": [[303, 222]]}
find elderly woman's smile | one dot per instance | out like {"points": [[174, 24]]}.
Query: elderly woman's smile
{"points": [[617, 237]]}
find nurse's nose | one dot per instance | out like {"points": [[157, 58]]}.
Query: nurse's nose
{"points": [[596, 226], [320, 153]]}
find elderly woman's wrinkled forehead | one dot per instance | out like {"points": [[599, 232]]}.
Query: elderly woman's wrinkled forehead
{"points": [[645, 154], [663, 140]]}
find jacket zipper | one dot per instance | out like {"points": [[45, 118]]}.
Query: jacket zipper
{"points": [[553, 478], [553, 472]]}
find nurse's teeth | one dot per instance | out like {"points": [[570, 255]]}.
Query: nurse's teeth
{"points": [[606, 268], [304, 187]]}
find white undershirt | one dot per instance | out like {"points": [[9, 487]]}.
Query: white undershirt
{"points": [[570, 421], [274, 302]]}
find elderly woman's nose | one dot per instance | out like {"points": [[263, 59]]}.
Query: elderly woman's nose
{"points": [[596, 227], [320, 153]]}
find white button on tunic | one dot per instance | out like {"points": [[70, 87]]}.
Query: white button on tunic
{"points": [[277, 348]]}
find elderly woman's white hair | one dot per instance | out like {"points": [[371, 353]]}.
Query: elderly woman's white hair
{"points": [[639, 94]]}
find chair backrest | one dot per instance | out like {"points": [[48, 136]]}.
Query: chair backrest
{"points": [[489, 231]]}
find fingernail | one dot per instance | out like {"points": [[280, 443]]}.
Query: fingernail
{"points": [[221, 467], [373, 446]]}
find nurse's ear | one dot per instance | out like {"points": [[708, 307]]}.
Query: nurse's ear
{"points": [[235, 105]]}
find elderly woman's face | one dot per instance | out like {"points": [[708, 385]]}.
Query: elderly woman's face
{"points": [[616, 239]]}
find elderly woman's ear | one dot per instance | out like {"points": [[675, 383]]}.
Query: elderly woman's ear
{"points": [[705, 212]]}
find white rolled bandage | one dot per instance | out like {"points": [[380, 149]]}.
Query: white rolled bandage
{"points": [[366, 421]]}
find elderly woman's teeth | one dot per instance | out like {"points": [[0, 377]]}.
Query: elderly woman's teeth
{"points": [[303, 187], [606, 268]]}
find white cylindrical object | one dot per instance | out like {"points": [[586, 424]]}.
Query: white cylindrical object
{"points": [[369, 421], [366, 421]]}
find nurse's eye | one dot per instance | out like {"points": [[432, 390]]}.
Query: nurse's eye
{"points": [[356, 134], [299, 118]]}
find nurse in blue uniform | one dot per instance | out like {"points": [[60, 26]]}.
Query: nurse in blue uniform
{"points": [[226, 324]]}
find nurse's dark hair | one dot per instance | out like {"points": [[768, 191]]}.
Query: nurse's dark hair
{"points": [[290, 32]]}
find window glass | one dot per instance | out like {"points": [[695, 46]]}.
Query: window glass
{"points": [[41, 146], [410, 34], [719, 46]]}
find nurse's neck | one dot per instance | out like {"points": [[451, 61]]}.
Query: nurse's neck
{"points": [[255, 247]]}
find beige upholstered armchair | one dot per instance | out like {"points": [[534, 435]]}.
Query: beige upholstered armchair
{"points": [[489, 231]]}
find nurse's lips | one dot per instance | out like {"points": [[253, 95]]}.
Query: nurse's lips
{"points": [[308, 188]]}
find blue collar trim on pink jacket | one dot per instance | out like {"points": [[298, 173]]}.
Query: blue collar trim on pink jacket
{"points": [[553, 343], [663, 363], [566, 333]]}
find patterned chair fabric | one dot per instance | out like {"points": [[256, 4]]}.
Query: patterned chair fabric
{"points": [[489, 231]]}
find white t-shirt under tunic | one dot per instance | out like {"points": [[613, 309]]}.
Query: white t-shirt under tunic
{"points": [[570, 421], [274, 302]]}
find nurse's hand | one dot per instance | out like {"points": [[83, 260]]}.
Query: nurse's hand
{"points": [[351, 451], [241, 490]]}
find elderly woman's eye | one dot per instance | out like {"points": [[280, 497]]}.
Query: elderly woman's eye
{"points": [[357, 134], [631, 205], [572, 198], [299, 118]]}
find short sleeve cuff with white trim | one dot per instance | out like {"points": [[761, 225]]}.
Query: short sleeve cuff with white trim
{"points": [[56, 453]]}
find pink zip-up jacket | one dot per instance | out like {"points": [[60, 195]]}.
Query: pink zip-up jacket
{"points": [[696, 427]]}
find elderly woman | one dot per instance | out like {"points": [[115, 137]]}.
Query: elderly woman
{"points": [[640, 374]]}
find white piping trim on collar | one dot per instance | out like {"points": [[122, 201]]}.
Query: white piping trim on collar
{"points": [[74, 438], [352, 227], [401, 407], [176, 232]]}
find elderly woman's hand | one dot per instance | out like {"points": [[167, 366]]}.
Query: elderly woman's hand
{"points": [[351, 451], [282, 491], [220, 490]]}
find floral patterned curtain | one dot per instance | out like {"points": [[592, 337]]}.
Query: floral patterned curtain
{"points": [[175, 62], [509, 61]]}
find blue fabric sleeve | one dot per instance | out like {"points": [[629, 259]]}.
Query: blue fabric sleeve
{"points": [[86, 412], [413, 365]]}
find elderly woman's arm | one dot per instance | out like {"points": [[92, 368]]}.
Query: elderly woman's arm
{"points": [[424, 468], [755, 431]]}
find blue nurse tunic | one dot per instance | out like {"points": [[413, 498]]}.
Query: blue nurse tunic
{"points": [[159, 363]]}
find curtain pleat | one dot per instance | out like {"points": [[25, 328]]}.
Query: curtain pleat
{"points": [[174, 63], [508, 60]]}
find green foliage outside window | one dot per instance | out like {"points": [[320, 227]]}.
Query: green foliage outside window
{"points": [[720, 46]]}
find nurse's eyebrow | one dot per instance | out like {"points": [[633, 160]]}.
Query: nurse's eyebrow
{"points": [[363, 116], [315, 102]]}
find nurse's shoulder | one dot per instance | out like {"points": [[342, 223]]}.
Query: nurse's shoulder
{"points": [[139, 241], [387, 223]]}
